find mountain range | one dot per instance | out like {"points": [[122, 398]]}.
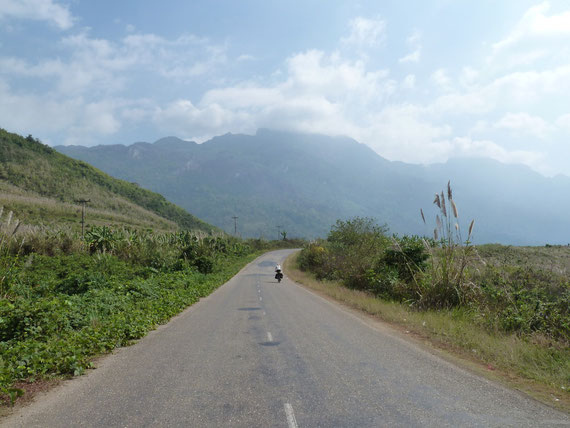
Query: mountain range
{"points": [[302, 183]]}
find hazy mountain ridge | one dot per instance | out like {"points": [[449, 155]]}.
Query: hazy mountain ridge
{"points": [[303, 183]]}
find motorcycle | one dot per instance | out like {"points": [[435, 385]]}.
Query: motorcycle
{"points": [[279, 276]]}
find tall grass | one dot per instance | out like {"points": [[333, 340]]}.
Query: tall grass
{"points": [[9, 244], [446, 284]]}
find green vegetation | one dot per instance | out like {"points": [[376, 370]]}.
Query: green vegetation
{"points": [[64, 299], [67, 295], [43, 187], [482, 298]]}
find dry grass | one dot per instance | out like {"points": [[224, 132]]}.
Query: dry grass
{"points": [[34, 209], [555, 258], [541, 371]]}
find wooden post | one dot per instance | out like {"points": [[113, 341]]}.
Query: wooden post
{"points": [[83, 203]]}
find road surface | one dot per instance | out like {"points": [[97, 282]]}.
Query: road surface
{"points": [[260, 354]]}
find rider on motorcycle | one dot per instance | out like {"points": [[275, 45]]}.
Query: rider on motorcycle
{"points": [[278, 272]]}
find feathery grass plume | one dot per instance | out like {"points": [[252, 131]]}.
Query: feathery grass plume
{"points": [[9, 219], [470, 228], [1, 211], [443, 210], [436, 201], [445, 282], [454, 207], [423, 218]]}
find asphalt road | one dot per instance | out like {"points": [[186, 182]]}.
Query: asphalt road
{"points": [[260, 354]]}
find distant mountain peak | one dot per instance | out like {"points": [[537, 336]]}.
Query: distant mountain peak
{"points": [[173, 142]]}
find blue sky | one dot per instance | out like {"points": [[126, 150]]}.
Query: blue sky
{"points": [[417, 81]]}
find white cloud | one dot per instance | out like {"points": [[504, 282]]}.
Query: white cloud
{"points": [[245, 57], [412, 57], [536, 38], [468, 76], [564, 122], [535, 23], [317, 73], [100, 66], [524, 123], [319, 93], [83, 93], [506, 92], [465, 146], [37, 10], [441, 79], [409, 81], [81, 121], [365, 32], [414, 42], [183, 118], [402, 132]]}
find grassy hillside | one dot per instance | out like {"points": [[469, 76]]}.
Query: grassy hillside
{"points": [[43, 186]]}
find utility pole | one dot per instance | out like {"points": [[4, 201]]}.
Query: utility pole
{"points": [[83, 203], [278, 232], [235, 224]]}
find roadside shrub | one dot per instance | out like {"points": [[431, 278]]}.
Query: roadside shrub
{"points": [[407, 256], [314, 257], [204, 264], [355, 245]]}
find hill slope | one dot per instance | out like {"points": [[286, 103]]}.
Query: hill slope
{"points": [[42, 186], [303, 183]]}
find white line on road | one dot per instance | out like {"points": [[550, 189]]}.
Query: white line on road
{"points": [[269, 337], [290, 416], [260, 298]]}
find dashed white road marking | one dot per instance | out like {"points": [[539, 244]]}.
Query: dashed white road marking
{"points": [[291, 421], [269, 337], [260, 298]]}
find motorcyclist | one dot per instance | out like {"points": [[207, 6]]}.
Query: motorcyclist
{"points": [[278, 272]]}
